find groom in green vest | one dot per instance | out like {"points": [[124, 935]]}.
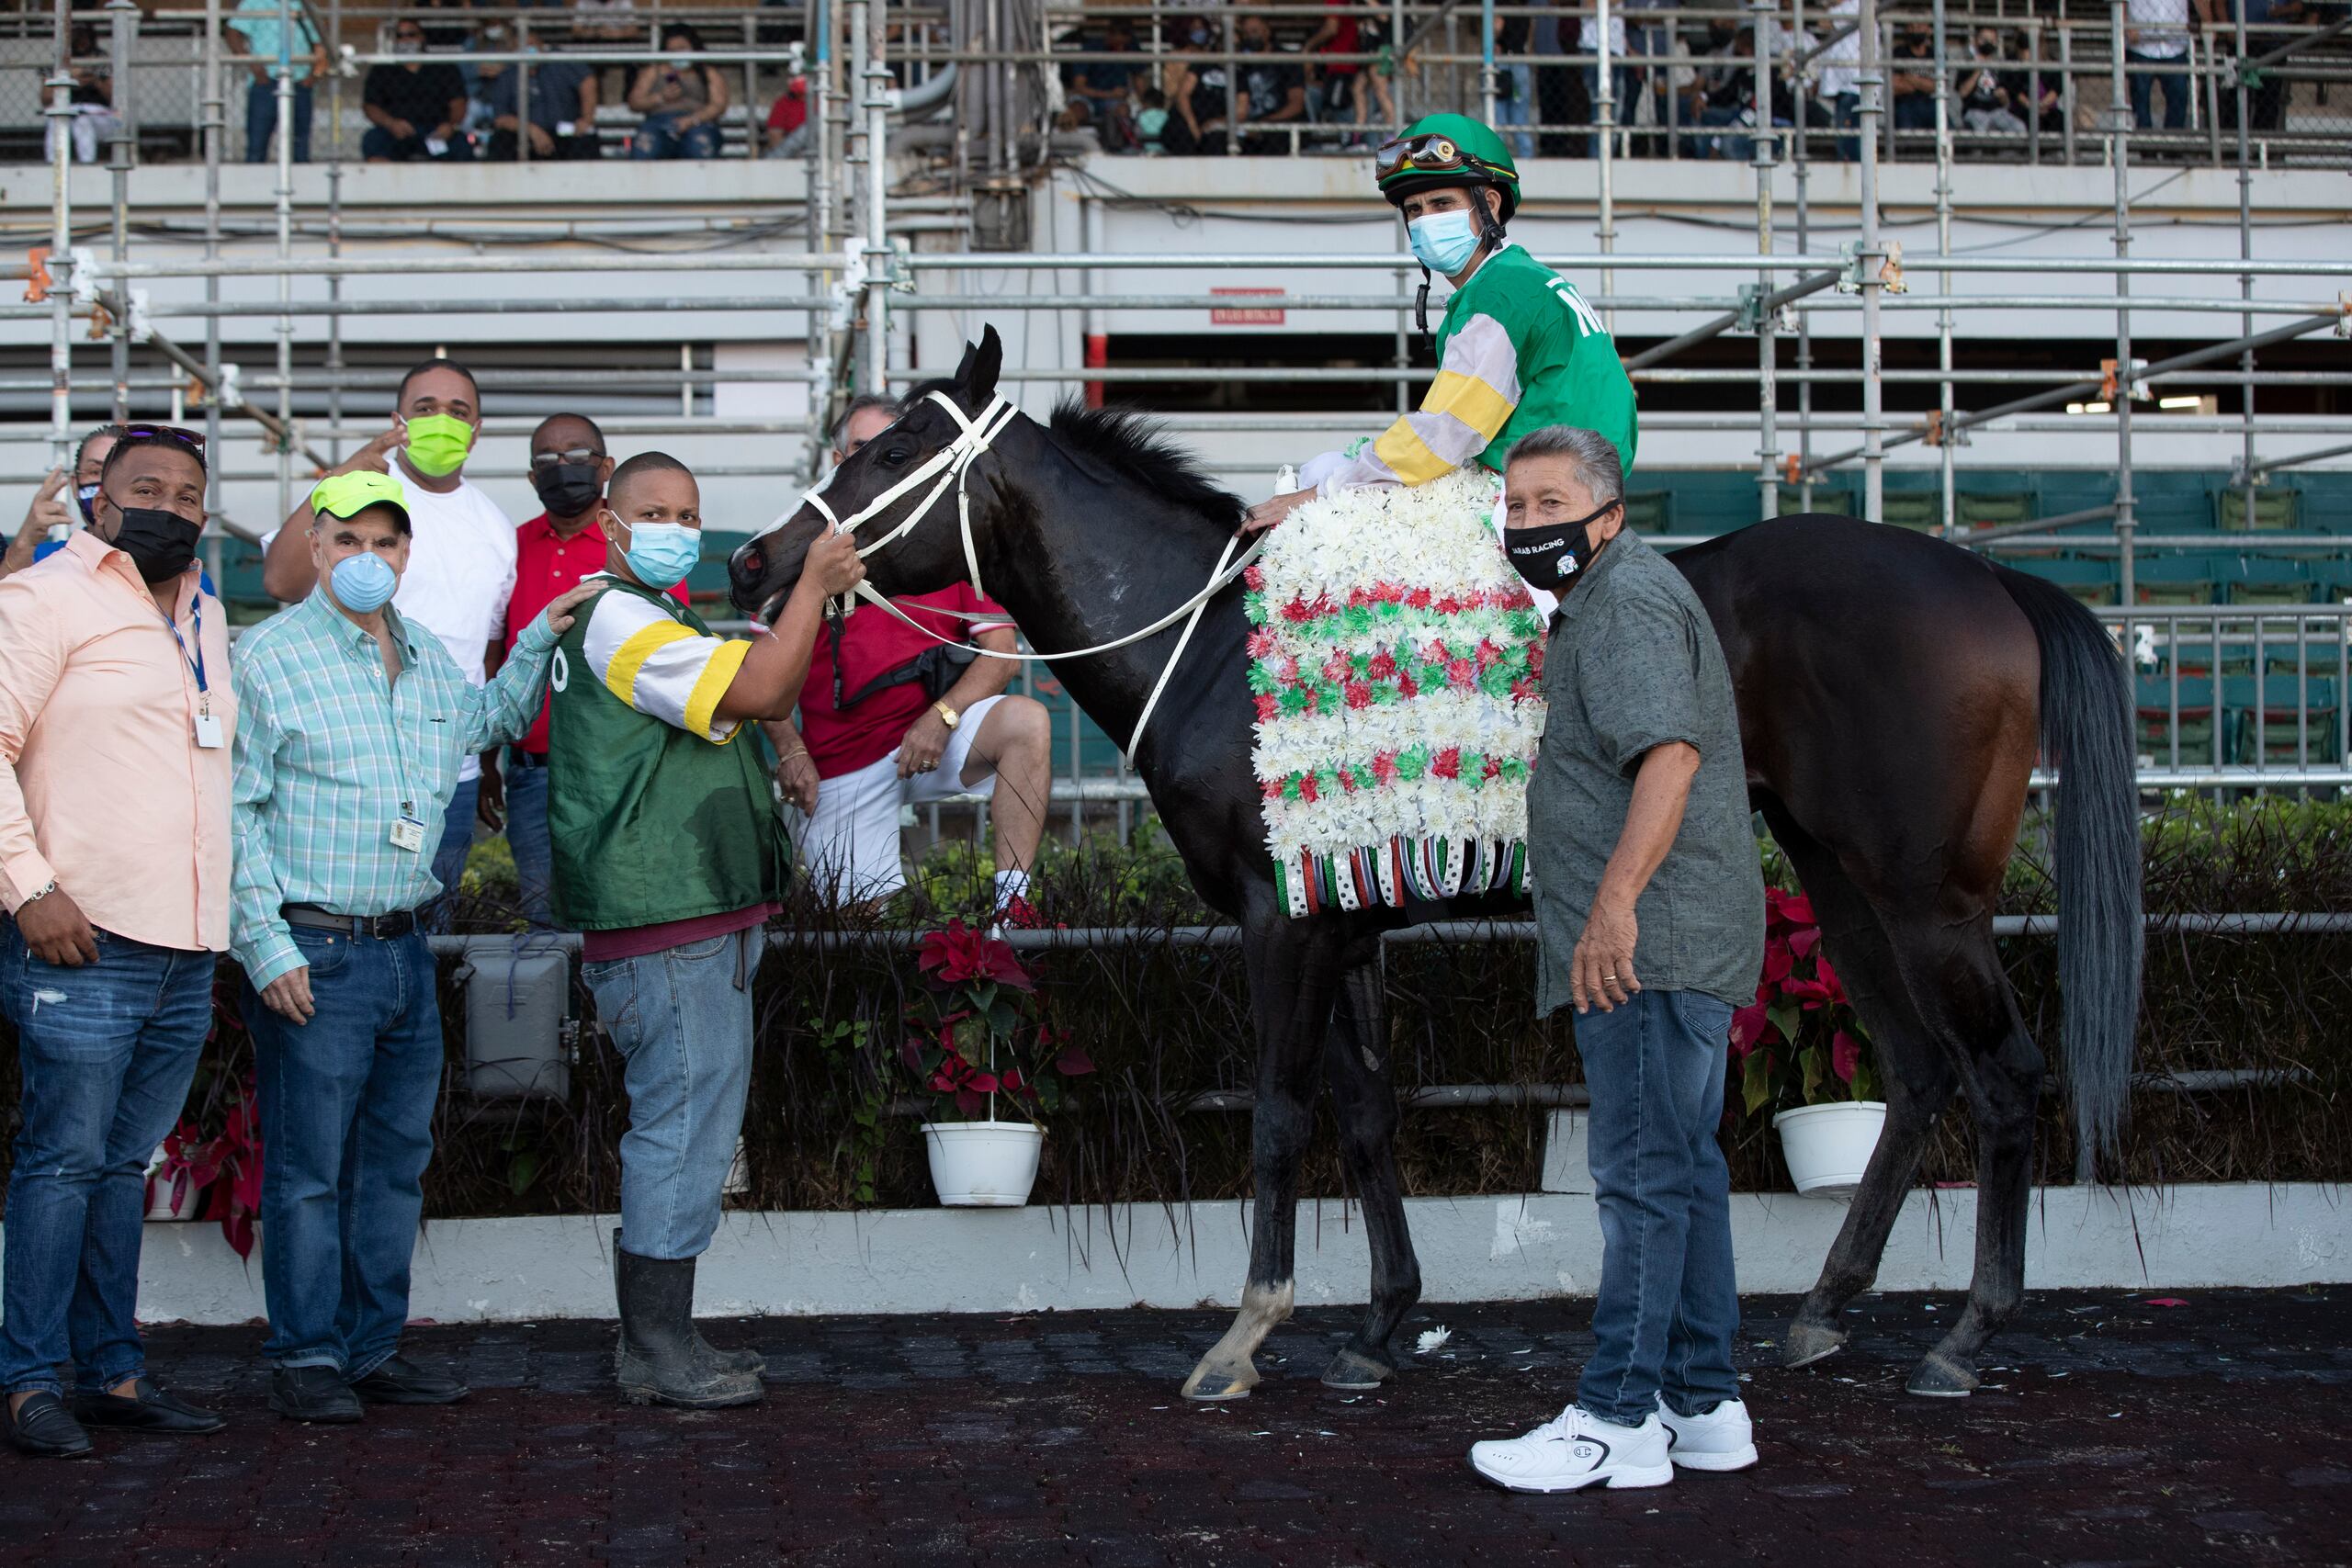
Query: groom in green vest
{"points": [[669, 858]]}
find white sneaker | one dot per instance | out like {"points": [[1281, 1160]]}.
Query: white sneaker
{"points": [[1721, 1438], [1575, 1449]]}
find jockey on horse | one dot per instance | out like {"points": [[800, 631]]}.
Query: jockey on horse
{"points": [[1519, 349]]}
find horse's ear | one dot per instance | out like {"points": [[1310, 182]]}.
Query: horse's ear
{"points": [[962, 377], [979, 374]]}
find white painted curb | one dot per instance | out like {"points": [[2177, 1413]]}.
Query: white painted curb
{"points": [[1510, 1249]]}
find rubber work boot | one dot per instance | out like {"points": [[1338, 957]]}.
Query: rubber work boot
{"points": [[661, 1360], [751, 1361]]}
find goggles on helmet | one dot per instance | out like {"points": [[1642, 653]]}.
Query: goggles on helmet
{"points": [[1428, 155]]}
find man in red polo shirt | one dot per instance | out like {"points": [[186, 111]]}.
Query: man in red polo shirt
{"points": [[872, 739], [552, 552]]}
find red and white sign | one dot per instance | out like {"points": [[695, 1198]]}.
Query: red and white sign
{"points": [[1246, 315]]}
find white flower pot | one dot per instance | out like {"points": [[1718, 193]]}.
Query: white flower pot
{"points": [[1828, 1146], [163, 1206], [983, 1165]]}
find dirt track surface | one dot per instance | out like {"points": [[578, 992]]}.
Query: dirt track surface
{"points": [[2109, 1431]]}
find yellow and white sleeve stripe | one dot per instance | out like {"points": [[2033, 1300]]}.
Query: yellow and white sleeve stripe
{"points": [[660, 667], [1468, 404]]}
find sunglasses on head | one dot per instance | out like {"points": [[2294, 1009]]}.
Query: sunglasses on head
{"points": [[189, 441]]}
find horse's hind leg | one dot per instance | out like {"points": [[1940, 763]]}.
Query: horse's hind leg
{"points": [[1365, 1102], [2002, 1085], [1919, 1078], [1294, 966]]}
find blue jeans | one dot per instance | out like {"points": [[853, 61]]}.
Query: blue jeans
{"points": [[682, 1018], [105, 1053], [1846, 111], [660, 136], [261, 119], [526, 835], [449, 855], [2141, 85], [1669, 1302], [1624, 87], [346, 1117], [1518, 109]]}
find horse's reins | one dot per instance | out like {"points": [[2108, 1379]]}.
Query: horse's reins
{"points": [[952, 464]]}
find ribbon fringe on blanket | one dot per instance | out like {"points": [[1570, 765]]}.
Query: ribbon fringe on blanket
{"points": [[1397, 666]]}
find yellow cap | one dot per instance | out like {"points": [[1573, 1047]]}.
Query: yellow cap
{"points": [[348, 495]]}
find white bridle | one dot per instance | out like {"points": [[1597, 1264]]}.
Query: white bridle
{"points": [[952, 464]]}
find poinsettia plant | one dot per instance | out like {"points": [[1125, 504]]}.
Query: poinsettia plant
{"points": [[221, 1165], [1799, 1043], [977, 1036]]}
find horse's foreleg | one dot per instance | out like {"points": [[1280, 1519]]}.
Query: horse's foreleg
{"points": [[2001, 1086], [1293, 967], [1365, 1104]]}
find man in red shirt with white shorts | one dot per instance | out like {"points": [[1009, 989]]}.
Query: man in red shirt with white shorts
{"points": [[872, 739]]}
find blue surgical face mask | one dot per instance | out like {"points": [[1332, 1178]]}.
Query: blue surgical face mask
{"points": [[85, 495], [1443, 242], [363, 584], [660, 554]]}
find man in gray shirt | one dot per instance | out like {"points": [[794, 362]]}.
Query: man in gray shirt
{"points": [[1649, 910]]}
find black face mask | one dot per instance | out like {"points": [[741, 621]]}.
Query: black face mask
{"points": [[159, 543], [1554, 556], [568, 488]]}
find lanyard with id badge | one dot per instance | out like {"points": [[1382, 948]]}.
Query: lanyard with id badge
{"points": [[208, 732]]}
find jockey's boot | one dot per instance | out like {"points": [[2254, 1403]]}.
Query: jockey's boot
{"points": [[741, 1360], [661, 1360]]}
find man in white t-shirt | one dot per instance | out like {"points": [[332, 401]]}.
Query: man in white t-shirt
{"points": [[461, 561], [2158, 36], [1839, 82]]}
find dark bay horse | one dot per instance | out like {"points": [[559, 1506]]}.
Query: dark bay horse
{"points": [[1893, 693]]}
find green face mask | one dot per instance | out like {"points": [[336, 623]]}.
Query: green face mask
{"points": [[437, 444]]}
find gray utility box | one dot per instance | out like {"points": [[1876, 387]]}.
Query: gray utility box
{"points": [[518, 1002]]}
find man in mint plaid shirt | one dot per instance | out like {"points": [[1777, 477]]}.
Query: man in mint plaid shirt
{"points": [[355, 724]]}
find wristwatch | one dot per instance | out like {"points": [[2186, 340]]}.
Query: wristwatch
{"points": [[947, 715]]}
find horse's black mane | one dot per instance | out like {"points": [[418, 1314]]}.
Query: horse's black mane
{"points": [[1133, 444]]}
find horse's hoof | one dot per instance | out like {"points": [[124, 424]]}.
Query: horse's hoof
{"points": [[1353, 1370], [1806, 1343], [1941, 1377], [1211, 1386]]}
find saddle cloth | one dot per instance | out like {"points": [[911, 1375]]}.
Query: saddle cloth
{"points": [[1398, 665]]}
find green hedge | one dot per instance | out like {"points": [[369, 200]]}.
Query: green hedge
{"points": [[1164, 1022]]}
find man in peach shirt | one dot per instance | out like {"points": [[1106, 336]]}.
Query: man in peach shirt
{"points": [[116, 714]]}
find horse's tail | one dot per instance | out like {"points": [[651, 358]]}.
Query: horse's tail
{"points": [[2086, 737]]}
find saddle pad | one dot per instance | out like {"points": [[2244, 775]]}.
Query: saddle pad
{"points": [[1398, 665]]}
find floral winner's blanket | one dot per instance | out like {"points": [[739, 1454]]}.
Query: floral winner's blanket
{"points": [[1397, 663]]}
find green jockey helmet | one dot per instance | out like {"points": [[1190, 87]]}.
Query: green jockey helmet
{"points": [[1439, 151]]}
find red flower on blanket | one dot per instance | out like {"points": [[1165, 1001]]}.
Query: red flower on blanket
{"points": [[1462, 675], [1337, 667], [1488, 655], [1306, 787], [1382, 666], [1254, 576], [1261, 644], [1384, 766], [1447, 764], [1359, 695], [1419, 599], [1270, 708]]}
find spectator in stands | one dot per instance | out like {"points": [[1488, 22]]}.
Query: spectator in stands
{"points": [[787, 132], [92, 100], [1099, 91], [1273, 89], [2155, 51], [1337, 34], [681, 101], [553, 551], [1721, 90], [1625, 81], [1838, 88], [444, 35], [1989, 95], [1911, 75], [254, 26], [354, 718], [416, 110], [888, 719], [1151, 122], [1514, 81], [460, 574], [2265, 101], [1371, 90], [54, 514], [115, 718], [562, 121], [605, 26], [2044, 92], [1196, 83]]}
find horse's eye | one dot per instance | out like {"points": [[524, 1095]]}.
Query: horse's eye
{"points": [[894, 455]]}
